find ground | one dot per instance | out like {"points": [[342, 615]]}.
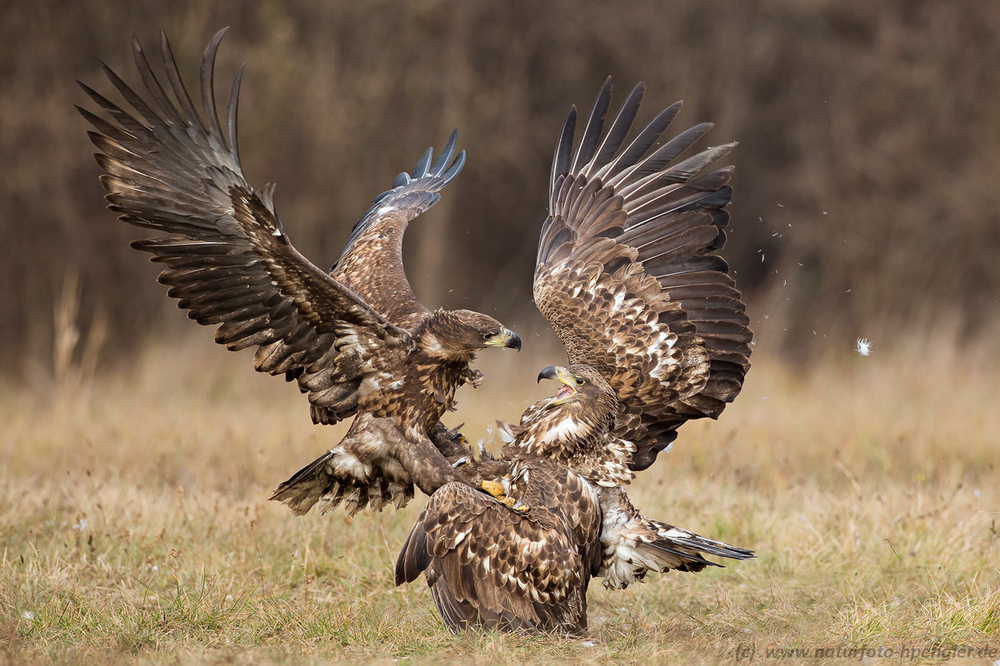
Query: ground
{"points": [[135, 526]]}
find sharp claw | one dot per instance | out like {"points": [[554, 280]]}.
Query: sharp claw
{"points": [[515, 504], [494, 488]]}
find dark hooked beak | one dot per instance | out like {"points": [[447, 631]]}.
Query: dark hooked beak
{"points": [[551, 372], [507, 339], [563, 376]]}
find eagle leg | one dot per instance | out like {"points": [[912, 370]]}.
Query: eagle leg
{"points": [[514, 503], [494, 488], [426, 467], [452, 444]]}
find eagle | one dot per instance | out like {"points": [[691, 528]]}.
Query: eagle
{"points": [[629, 277], [656, 333], [526, 564], [355, 339]]}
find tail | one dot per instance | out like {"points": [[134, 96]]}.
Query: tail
{"points": [[339, 476], [642, 545], [415, 558]]}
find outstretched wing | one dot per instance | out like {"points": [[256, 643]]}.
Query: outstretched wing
{"points": [[628, 276], [228, 260], [492, 566], [377, 240]]}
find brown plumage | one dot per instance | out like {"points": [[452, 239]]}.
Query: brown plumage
{"points": [[628, 276], [491, 565], [356, 340]]}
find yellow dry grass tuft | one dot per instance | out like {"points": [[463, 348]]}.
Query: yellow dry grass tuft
{"points": [[134, 525]]}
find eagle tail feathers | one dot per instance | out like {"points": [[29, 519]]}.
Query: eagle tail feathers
{"points": [[645, 545], [336, 477], [676, 542]]}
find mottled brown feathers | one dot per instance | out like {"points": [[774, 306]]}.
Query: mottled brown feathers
{"points": [[628, 276], [528, 569], [356, 340], [491, 566]]}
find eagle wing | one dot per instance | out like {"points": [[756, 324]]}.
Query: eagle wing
{"points": [[228, 259], [628, 276], [489, 565], [377, 240]]}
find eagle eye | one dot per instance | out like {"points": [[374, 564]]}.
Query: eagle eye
{"points": [[488, 336], [580, 381]]}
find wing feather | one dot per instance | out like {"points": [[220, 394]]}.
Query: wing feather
{"points": [[489, 565], [592, 130], [227, 258], [628, 276], [377, 239]]}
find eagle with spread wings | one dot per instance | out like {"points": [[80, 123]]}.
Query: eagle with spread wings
{"points": [[628, 276], [356, 339]]}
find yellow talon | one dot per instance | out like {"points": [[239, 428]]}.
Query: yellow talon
{"points": [[514, 504], [494, 488]]}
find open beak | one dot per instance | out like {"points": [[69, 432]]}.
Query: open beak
{"points": [[507, 339], [563, 376]]}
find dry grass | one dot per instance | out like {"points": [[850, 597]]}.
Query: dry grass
{"points": [[134, 526]]}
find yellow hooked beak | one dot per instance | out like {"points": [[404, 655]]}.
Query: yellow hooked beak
{"points": [[507, 339], [563, 376]]}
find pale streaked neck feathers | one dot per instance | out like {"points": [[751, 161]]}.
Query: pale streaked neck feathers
{"points": [[578, 435]]}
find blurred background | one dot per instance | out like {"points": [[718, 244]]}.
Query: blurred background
{"points": [[866, 200]]}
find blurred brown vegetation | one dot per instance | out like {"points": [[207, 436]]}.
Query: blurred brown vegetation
{"points": [[865, 204]]}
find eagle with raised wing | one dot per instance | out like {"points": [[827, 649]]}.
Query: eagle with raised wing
{"points": [[628, 276], [357, 340]]}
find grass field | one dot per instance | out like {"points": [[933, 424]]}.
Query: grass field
{"points": [[134, 525]]}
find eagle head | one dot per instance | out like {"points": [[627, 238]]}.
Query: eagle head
{"points": [[582, 385], [459, 334], [576, 419]]}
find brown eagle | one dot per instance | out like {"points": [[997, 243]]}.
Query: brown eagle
{"points": [[628, 276], [356, 339], [526, 565]]}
